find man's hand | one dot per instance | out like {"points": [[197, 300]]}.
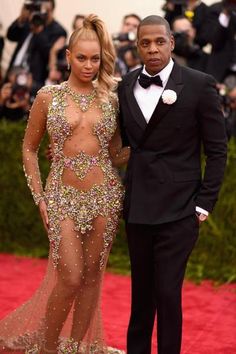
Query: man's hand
{"points": [[201, 217], [19, 102], [24, 15], [5, 93], [49, 152]]}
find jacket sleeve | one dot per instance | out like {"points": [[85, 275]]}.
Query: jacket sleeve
{"points": [[213, 136], [17, 32], [124, 137]]}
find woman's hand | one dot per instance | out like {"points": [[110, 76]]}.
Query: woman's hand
{"points": [[43, 213], [49, 153]]}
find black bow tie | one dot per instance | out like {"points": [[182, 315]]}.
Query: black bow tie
{"points": [[145, 81]]}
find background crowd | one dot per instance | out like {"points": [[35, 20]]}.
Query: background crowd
{"points": [[205, 38]]}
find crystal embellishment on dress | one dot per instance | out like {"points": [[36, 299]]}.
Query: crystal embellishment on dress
{"points": [[82, 100], [83, 195]]}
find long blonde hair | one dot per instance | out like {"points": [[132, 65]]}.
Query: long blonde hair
{"points": [[94, 28]]}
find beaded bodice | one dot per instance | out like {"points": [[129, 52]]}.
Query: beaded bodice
{"points": [[80, 207], [81, 185], [60, 129]]}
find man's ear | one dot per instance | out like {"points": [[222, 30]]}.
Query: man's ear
{"points": [[172, 42]]}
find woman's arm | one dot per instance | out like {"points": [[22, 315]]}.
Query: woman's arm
{"points": [[119, 155], [33, 135]]}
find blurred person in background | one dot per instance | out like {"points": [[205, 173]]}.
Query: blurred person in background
{"points": [[231, 126], [220, 32], [78, 21], [124, 39], [132, 58], [35, 31], [194, 10], [15, 99], [1, 50], [227, 92], [187, 52]]}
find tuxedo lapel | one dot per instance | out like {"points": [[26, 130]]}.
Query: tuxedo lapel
{"points": [[132, 103], [174, 83]]}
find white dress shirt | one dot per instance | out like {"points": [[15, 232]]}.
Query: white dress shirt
{"points": [[21, 55], [148, 98]]}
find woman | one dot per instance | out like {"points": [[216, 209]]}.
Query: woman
{"points": [[81, 203]]}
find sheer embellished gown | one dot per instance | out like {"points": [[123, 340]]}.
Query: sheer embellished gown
{"points": [[84, 196]]}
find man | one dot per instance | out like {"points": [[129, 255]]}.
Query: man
{"points": [[194, 10], [125, 39], [35, 33], [166, 197], [187, 51], [219, 30], [15, 95], [231, 113]]}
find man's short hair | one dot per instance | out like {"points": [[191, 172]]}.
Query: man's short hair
{"points": [[132, 15], [53, 2], [154, 20], [179, 17]]}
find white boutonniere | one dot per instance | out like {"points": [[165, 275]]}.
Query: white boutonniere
{"points": [[169, 96]]}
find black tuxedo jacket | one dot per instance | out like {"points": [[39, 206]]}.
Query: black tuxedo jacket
{"points": [[164, 178]]}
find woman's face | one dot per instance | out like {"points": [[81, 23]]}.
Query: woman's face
{"points": [[84, 59]]}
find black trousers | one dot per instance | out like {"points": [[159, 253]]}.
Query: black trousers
{"points": [[158, 255]]}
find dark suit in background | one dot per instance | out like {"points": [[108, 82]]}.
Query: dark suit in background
{"points": [[199, 15], [222, 39], [39, 47]]}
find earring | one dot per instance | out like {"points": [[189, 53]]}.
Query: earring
{"points": [[68, 66]]}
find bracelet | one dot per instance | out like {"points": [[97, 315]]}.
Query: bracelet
{"points": [[38, 197]]}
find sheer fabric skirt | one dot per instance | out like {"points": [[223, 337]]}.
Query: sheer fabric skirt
{"points": [[63, 316]]}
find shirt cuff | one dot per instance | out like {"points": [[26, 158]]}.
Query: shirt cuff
{"points": [[224, 20], [202, 211]]}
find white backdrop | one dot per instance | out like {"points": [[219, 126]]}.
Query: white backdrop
{"points": [[111, 11]]}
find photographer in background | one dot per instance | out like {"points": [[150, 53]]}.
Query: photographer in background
{"points": [[35, 31], [15, 95], [220, 32], [231, 126], [194, 10], [124, 39], [1, 50], [187, 52], [227, 92], [132, 58]]}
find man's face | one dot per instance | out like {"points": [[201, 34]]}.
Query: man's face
{"points": [[47, 7], [184, 25], [155, 46], [130, 24]]}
